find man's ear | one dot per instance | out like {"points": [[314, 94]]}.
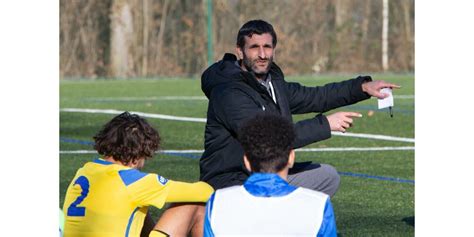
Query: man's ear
{"points": [[240, 54], [291, 159], [247, 163]]}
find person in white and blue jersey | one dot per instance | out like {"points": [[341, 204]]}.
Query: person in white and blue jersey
{"points": [[266, 205]]}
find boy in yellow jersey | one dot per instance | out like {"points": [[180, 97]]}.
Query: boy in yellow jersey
{"points": [[110, 196]]}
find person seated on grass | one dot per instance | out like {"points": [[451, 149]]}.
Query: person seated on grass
{"points": [[110, 196], [266, 205]]}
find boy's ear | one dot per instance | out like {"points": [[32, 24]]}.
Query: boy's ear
{"points": [[138, 163], [247, 163], [291, 159]]}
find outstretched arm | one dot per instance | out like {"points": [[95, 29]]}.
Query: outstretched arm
{"points": [[182, 216], [189, 192], [304, 99]]}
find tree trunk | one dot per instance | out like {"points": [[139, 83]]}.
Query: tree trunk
{"points": [[121, 39], [161, 34], [385, 36], [146, 28]]}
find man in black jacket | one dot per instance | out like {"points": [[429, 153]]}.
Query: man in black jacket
{"points": [[239, 88]]}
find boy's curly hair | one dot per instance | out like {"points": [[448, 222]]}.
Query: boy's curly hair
{"points": [[267, 142], [127, 138]]}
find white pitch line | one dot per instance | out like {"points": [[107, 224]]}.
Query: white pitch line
{"points": [[148, 98], [404, 96], [400, 148], [203, 120], [79, 152], [181, 151], [374, 136], [147, 115], [186, 98], [163, 151]]}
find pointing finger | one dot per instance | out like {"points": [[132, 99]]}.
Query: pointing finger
{"points": [[394, 86], [389, 85], [353, 114]]}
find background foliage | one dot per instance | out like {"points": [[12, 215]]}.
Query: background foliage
{"points": [[145, 38]]}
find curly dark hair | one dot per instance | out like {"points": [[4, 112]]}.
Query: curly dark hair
{"points": [[127, 138], [255, 27], [267, 142]]}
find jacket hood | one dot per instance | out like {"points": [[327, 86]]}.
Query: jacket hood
{"points": [[226, 71], [221, 72]]}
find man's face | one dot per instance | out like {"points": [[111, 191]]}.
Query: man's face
{"points": [[257, 54]]}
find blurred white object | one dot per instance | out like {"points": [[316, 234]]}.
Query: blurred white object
{"points": [[387, 101]]}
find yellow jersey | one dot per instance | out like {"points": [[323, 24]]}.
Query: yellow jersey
{"points": [[107, 199]]}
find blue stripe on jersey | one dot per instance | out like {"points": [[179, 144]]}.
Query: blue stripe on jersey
{"points": [[328, 225], [102, 162], [267, 185], [130, 176], [207, 219], [130, 222]]}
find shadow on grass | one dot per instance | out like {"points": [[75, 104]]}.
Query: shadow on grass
{"points": [[374, 225], [409, 220]]}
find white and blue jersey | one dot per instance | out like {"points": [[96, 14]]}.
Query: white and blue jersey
{"points": [[266, 205]]}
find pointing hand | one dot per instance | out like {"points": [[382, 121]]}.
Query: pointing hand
{"points": [[373, 88], [340, 121]]}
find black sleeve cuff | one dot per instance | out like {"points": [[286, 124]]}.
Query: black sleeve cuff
{"points": [[358, 93], [311, 130]]}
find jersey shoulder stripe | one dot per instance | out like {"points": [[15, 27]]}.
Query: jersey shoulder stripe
{"points": [[131, 176], [102, 162]]}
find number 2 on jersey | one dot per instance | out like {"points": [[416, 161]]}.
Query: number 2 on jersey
{"points": [[73, 209]]}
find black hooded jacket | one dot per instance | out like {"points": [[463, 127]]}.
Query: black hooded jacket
{"points": [[236, 95]]}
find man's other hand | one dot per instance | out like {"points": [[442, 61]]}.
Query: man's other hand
{"points": [[341, 121], [373, 88]]}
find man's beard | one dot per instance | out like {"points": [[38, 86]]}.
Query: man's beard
{"points": [[250, 65]]}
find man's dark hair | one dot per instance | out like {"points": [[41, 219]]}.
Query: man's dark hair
{"points": [[255, 27], [127, 138], [267, 142]]}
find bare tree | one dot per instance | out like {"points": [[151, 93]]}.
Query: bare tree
{"points": [[164, 13], [121, 39], [146, 28], [385, 36], [141, 38]]}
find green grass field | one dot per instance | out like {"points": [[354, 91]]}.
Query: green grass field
{"points": [[376, 196]]}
